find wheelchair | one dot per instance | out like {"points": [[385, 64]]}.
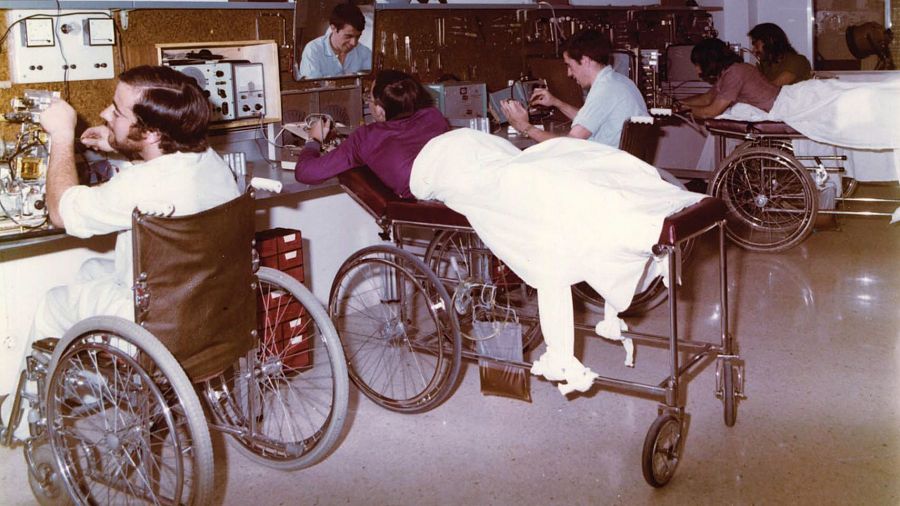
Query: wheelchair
{"points": [[117, 415], [771, 192], [406, 314]]}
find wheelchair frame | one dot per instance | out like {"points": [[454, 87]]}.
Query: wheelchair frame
{"points": [[154, 443], [771, 195], [665, 438]]}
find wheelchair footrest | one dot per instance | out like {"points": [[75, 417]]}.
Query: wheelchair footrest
{"points": [[45, 345]]}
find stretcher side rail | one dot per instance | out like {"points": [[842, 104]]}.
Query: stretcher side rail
{"points": [[389, 210], [752, 129]]}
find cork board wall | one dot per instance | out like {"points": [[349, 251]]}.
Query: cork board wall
{"points": [[147, 27]]}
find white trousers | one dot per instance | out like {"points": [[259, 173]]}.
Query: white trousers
{"points": [[95, 292]]}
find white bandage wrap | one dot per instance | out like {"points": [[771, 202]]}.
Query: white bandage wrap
{"points": [[611, 327]]}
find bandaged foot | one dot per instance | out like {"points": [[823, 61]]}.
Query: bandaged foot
{"points": [[611, 327], [580, 382], [550, 369], [572, 374]]}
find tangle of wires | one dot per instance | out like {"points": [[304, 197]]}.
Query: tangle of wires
{"points": [[24, 143]]}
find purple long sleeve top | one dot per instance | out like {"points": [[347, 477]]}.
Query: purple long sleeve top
{"points": [[388, 148]]}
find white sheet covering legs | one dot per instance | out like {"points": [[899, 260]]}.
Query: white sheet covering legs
{"points": [[558, 213], [558, 363]]}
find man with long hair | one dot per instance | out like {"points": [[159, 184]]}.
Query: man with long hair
{"points": [[158, 119]]}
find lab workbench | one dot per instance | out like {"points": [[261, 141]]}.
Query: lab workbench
{"points": [[18, 237]]}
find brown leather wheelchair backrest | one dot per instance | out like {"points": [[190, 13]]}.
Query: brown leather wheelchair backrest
{"points": [[193, 284], [640, 140]]}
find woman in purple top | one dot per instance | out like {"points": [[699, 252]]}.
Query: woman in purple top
{"points": [[406, 120], [732, 80]]}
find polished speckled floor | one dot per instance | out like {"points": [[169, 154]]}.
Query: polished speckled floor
{"points": [[818, 327]]}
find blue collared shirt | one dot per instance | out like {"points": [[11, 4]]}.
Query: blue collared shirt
{"points": [[319, 60], [612, 100]]}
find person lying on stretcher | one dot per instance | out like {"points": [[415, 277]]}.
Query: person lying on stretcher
{"points": [[405, 119], [561, 212]]}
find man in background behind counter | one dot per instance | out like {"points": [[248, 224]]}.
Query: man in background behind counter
{"points": [[611, 100], [338, 52]]}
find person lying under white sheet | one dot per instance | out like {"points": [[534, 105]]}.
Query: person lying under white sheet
{"points": [[558, 213]]}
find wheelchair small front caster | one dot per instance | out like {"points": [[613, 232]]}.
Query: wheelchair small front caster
{"points": [[662, 449], [44, 478]]}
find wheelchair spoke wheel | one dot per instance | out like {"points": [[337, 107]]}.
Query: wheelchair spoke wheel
{"points": [[662, 450], [771, 199], [288, 399], [467, 268], [401, 342], [124, 422]]}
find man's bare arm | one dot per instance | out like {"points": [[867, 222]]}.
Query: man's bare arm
{"points": [[61, 176], [59, 122]]}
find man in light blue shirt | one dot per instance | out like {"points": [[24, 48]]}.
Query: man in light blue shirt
{"points": [[611, 100], [338, 52]]}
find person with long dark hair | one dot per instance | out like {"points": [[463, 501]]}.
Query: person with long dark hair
{"points": [[732, 79], [406, 120], [778, 60]]}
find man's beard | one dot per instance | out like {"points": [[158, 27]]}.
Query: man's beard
{"points": [[131, 145]]}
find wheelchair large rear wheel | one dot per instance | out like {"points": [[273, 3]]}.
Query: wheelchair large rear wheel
{"points": [[288, 399], [123, 419], [401, 340], [771, 199], [469, 271]]}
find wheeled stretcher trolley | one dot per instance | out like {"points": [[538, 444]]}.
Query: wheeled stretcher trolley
{"points": [[401, 318]]}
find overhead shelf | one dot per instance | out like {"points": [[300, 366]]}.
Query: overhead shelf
{"points": [[139, 4]]}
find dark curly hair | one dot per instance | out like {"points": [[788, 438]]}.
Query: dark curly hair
{"points": [[399, 94], [713, 56], [774, 40]]}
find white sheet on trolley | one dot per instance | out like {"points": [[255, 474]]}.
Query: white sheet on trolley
{"points": [[560, 212], [860, 117]]}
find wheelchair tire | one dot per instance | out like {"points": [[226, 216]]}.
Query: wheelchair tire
{"points": [[511, 291], [123, 418], [291, 416], [771, 199], [400, 337]]}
